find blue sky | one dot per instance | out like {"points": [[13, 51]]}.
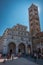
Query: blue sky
{"points": [[14, 12]]}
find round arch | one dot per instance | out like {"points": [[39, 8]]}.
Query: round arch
{"points": [[21, 48], [12, 47], [39, 50], [29, 49]]}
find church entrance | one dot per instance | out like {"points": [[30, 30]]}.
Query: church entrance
{"points": [[29, 49], [12, 48], [21, 48]]}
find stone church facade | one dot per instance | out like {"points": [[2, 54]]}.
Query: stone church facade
{"points": [[17, 39]]}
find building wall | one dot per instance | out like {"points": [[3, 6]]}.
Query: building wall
{"points": [[17, 35]]}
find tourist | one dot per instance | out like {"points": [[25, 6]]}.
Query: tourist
{"points": [[12, 56], [0, 56], [35, 56]]}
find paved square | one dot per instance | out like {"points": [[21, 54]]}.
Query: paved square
{"points": [[18, 61]]}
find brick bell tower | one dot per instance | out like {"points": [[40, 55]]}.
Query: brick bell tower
{"points": [[34, 20]]}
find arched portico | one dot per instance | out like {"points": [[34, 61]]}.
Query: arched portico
{"points": [[21, 48], [39, 50], [29, 49], [11, 47]]}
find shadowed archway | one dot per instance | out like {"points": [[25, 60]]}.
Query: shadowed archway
{"points": [[29, 49], [12, 47], [21, 48]]}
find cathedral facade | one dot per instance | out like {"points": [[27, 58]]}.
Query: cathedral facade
{"points": [[17, 39]]}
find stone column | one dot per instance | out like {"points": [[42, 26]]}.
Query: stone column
{"points": [[5, 46], [26, 48], [5, 50], [31, 48], [16, 49]]}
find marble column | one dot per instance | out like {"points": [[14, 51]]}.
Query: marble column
{"points": [[5, 46], [26, 48], [5, 50], [16, 49]]}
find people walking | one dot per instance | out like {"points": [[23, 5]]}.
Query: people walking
{"points": [[35, 56]]}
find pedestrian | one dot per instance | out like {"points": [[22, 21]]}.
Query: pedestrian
{"points": [[0, 56], [12, 56], [35, 56]]}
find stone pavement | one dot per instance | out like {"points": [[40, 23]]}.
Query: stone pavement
{"points": [[18, 61], [38, 61]]}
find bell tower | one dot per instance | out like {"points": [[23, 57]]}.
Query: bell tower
{"points": [[34, 20]]}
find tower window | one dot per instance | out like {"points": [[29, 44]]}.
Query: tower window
{"points": [[36, 23], [37, 18], [35, 9], [31, 24], [30, 10]]}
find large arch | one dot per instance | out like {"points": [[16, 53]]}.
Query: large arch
{"points": [[29, 49], [39, 50], [42, 50], [21, 48], [12, 47]]}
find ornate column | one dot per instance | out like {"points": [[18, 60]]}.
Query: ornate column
{"points": [[26, 48], [16, 49], [5, 47]]}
